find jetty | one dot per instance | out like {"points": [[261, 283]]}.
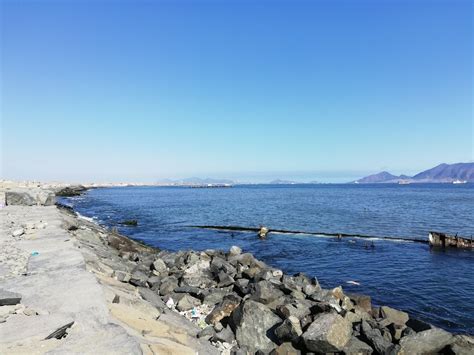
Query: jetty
{"points": [[443, 240]]}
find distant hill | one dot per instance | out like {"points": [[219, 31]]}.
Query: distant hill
{"points": [[383, 177], [447, 173], [443, 173], [197, 181]]}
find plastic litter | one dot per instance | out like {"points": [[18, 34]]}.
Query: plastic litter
{"points": [[34, 253]]}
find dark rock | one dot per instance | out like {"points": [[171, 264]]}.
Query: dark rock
{"points": [[223, 309], [253, 324], [130, 222], [296, 309], [224, 279], [60, 332], [418, 325], [241, 286], [329, 332], [215, 296], [168, 285], [265, 292], [396, 330], [357, 347], [407, 331], [187, 302], [193, 291], [139, 278], [225, 335], [429, 341], [207, 333], [71, 191], [154, 282], [289, 330], [363, 301], [374, 338], [8, 298], [219, 264]]}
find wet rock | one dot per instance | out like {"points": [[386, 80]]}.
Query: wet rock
{"points": [[329, 332], [265, 292], [362, 301], [418, 325], [289, 330], [253, 323], [426, 342], [235, 250], [394, 316], [357, 347], [187, 302], [8, 298], [223, 309]]}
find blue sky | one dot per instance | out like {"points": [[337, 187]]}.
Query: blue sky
{"points": [[250, 90]]}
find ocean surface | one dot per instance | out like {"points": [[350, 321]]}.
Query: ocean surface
{"points": [[433, 285]]}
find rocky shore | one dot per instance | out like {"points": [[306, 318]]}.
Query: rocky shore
{"points": [[69, 285]]}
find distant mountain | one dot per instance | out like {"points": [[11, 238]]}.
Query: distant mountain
{"points": [[383, 177], [447, 173], [443, 173], [197, 181]]}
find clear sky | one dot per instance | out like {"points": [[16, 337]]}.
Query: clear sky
{"points": [[250, 90]]}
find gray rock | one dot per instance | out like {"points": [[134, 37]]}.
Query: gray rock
{"points": [[122, 276], [225, 335], [426, 342], [289, 330], [23, 198], [159, 265], [8, 298], [152, 297], [207, 333], [285, 349], [391, 315], [215, 296], [225, 279], [138, 278], [235, 250], [363, 301], [168, 285], [253, 324], [463, 345], [357, 347], [223, 309], [375, 338], [266, 292], [154, 282], [329, 332], [241, 286], [298, 309], [187, 302]]}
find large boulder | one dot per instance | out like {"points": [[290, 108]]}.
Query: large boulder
{"points": [[70, 191], [391, 315], [363, 301], [329, 332], [266, 292], [23, 198], [187, 302], [357, 347], [429, 341], [375, 338], [253, 323]]}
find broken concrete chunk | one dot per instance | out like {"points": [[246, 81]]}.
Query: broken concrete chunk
{"points": [[9, 298]]}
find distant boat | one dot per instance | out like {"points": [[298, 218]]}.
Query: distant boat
{"points": [[404, 182], [459, 182]]}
